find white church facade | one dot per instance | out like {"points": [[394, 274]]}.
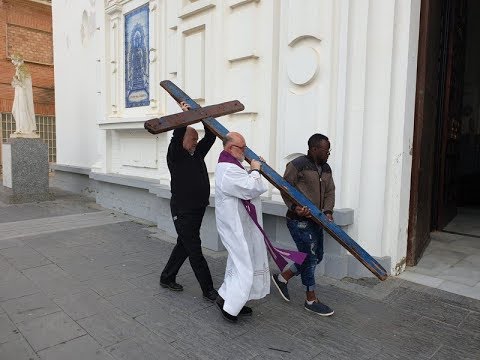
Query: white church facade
{"points": [[347, 69]]}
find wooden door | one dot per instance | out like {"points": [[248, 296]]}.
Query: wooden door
{"points": [[432, 14], [451, 112], [437, 114]]}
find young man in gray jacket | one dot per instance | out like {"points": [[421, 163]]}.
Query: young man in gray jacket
{"points": [[312, 176]]}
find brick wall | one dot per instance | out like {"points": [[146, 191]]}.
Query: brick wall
{"points": [[20, 40], [26, 29]]}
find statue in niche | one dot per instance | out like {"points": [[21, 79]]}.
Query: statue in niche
{"points": [[23, 110]]}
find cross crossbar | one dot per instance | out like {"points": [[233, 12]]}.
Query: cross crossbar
{"points": [[170, 122], [288, 190]]}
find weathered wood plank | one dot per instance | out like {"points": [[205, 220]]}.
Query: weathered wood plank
{"points": [[170, 122]]}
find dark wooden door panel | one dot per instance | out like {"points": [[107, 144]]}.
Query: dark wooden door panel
{"points": [[425, 128], [451, 113], [438, 108]]}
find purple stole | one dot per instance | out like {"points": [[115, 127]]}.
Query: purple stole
{"points": [[278, 255]]}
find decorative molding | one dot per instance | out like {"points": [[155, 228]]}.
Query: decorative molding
{"points": [[152, 54], [302, 65], [251, 115], [195, 8], [303, 61], [138, 154], [117, 123], [237, 3], [153, 5], [125, 180], [114, 9], [69, 168], [114, 56], [171, 56], [243, 58], [127, 21], [194, 65], [302, 38], [109, 3], [245, 43]]}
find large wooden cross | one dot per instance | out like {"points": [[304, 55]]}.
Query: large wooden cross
{"points": [[271, 175]]}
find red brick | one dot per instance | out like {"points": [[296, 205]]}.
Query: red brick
{"points": [[26, 28]]}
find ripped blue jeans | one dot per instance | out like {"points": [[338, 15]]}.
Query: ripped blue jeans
{"points": [[308, 237]]}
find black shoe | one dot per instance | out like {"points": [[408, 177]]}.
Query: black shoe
{"points": [[318, 308], [282, 287], [246, 311], [172, 285], [219, 302], [210, 295]]}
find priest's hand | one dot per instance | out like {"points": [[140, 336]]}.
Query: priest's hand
{"points": [[255, 165]]}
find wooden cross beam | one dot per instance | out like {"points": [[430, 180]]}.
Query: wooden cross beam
{"points": [[170, 122], [292, 193]]}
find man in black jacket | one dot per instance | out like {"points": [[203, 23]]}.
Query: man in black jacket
{"points": [[190, 189]]}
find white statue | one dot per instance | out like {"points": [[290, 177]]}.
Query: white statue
{"points": [[23, 110]]}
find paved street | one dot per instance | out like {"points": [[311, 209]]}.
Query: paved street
{"points": [[81, 282]]}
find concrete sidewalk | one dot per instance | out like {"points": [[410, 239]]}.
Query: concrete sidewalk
{"points": [[81, 282]]}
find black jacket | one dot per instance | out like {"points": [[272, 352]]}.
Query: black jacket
{"points": [[189, 184]]}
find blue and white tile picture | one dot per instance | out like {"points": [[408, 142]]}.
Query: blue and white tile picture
{"points": [[136, 58]]}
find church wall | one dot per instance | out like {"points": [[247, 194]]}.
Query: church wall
{"points": [[343, 68], [77, 51]]}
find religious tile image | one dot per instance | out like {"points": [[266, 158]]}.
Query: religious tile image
{"points": [[136, 58]]}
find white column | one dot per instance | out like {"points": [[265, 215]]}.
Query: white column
{"points": [[400, 137], [351, 164], [338, 141], [115, 15], [155, 32], [372, 178]]}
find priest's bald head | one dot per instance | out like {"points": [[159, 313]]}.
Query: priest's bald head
{"points": [[234, 144]]}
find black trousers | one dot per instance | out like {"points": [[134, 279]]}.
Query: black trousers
{"points": [[187, 224]]}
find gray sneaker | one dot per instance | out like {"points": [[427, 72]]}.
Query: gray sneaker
{"points": [[282, 287], [319, 308]]}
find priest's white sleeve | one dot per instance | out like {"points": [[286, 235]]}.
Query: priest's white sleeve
{"points": [[239, 183]]}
